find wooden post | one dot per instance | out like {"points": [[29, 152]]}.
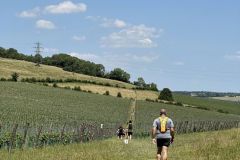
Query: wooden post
{"points": [[62, 132], [25, 135], [13, 138], [38, 135]]}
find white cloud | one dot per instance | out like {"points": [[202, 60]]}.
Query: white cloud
{"points": [[108, 22], [234, 56], [79, 38], [85, 56], [50, 51], [138, 36], [119, 23], [179, 63], [66, 7], [44, 24], [30, 13]]}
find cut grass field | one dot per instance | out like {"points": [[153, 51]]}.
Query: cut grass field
{"points": [[218, 145], [211, 104], [113, 91], [28, 69], [24, 102]]}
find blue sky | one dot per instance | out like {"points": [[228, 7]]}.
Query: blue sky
{"points": [[183, 45]]}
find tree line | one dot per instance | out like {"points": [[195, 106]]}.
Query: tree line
{"points": [[74, 64]]}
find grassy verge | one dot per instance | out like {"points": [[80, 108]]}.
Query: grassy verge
{"points": [[219, 145]]}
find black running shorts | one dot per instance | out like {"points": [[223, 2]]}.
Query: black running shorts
{"points": [[163, 142], [130, 133]]}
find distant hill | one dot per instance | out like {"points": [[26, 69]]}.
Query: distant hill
{"points": [[208, 93]]}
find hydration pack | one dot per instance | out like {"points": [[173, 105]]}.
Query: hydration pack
{"points": [[163, 124]]}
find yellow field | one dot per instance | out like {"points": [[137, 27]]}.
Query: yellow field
{"points": [[219, 145], [126, 93], [28, 69]]}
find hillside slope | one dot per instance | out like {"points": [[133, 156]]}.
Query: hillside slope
{"points": [[24, 102], [28, 69]]}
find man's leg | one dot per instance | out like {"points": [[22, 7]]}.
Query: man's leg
{"points": [[164, 153], [159, 152]]}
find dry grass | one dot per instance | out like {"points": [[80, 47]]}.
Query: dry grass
{"points": [[28, 69], [126, 93]]}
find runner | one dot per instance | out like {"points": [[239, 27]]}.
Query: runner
{"points": [[130, 130], [120, 132], [162, 134]]}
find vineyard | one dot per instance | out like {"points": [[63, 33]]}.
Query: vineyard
{"points": [[23, 102], [33, 115], [191, 118]]}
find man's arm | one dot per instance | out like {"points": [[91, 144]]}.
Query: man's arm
{"points": [[154, 131], [154, 135], [172, 132]]}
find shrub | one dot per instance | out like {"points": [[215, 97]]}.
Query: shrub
{"points": [[55, 85], [149, 100], [178, 104], [3, 79], [89, 91], [119, 95], [45, 84], [67, 87], [166, 95], [107, 93], [222, 111], [15, 76], [77, 88], [203, 108]]}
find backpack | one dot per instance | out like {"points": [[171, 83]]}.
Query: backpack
{"points": [[163, 124]]}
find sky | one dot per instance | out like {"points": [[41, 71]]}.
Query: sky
{"points": [[190, 45]]}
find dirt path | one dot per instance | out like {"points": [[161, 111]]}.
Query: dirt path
{"points": [[132, 109]]}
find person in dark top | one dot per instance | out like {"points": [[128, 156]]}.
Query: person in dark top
{"points": [[120, 132], [130, 130]]}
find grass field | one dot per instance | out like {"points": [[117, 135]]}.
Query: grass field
{"points": [[218, 145], [24, 102], [212, 104], [28, 69]]}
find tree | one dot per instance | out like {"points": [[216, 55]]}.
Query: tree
{"points": [[120, 75], [166, 95], [153, 87], [38, 59], [15, 76], [140, 82]]}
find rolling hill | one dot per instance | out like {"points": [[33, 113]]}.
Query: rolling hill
{"points": [[28, 69]]}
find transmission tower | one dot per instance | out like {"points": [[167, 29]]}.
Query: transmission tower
{"points": [[38, 50]]}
